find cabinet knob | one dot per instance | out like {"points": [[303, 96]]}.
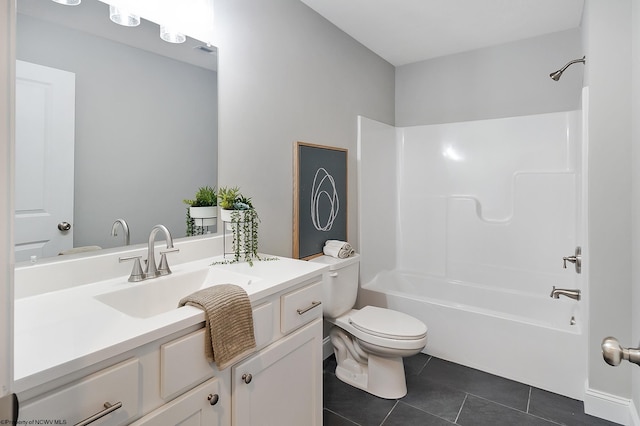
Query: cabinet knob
{"points": [[246, 377], [213, 398]]}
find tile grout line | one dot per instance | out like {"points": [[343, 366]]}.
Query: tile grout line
{"points": [[340, 415], [466, 395], [389, 413], [513, 408], [529, 400]]}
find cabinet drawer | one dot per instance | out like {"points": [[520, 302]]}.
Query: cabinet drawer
{"points": [[76, 402], [183, 363], [300, 307]]}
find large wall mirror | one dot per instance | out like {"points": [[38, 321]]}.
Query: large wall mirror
{"points": [[144, 126]]}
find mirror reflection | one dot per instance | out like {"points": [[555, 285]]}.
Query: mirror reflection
{"points": [[111, 123]]}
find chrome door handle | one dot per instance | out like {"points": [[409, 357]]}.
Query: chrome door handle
{"points": [[613, 353], [575, 259], [64, 226]]}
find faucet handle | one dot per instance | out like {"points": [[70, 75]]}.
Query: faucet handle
{"points": [[576, 259], [136, 272], [163, 268]]}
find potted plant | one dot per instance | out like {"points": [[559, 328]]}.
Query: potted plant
{"points": [[202, 211], [242, 219]]}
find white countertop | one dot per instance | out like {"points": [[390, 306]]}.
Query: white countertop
{"points": [[60, 332]]}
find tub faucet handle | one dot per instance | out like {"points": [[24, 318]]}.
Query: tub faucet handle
{"points": [[576, 259]]}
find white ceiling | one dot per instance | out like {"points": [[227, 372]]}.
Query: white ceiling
{"points": [[407, 31]]}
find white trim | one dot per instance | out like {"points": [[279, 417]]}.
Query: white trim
{"points": [[7, 83], [610, 407], [633, 414]]}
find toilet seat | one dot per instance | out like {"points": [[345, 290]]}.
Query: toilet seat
{"points": [[371, 328], [387, 323]]}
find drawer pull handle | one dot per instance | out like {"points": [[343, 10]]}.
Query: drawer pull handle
{"points": [[108, 408], [308, 308], [213, 398], [246, 377]]}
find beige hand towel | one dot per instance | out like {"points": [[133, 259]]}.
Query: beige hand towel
{"points": [[229, 323]]}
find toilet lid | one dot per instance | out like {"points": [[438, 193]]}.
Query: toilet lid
{"points": [[388, 323]]}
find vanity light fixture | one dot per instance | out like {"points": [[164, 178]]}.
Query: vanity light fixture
{"points": [[68, 2], [171, 36], [122, 17]]}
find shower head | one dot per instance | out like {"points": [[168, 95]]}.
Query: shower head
{"points": [[557, 74]]}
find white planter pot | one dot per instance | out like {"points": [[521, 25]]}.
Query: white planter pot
{"points": [[225, 215], [204, 216]]}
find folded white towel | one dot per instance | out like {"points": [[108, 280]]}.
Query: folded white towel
{"points": [[338, 249]]}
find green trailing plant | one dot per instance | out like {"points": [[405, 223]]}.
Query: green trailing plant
{"points": [[243, 225], [192, 229]]}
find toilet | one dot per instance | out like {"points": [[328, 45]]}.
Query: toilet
{"points": [[369, 343]]}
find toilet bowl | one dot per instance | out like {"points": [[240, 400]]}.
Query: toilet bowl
{"points": [[369, 343]]}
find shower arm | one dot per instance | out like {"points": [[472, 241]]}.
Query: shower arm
{"points": [[575, 61], [556, 74]]}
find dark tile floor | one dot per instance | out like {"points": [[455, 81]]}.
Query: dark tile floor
{"points": [[443, 393]]}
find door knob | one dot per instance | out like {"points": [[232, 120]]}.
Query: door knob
{"points": [[246, 377], [613, 353], [64, 226], [575, 259]]}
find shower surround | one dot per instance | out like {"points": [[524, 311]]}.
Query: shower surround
{"points": [[465, 226]]}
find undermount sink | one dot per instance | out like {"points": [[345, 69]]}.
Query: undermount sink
{"points": [[159, 295]]}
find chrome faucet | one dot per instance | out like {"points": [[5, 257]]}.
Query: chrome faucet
{"points": [[557, 292], [151, 270], [125, 230]]}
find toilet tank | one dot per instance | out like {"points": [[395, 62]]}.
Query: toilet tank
{"points": [[339, 284]]}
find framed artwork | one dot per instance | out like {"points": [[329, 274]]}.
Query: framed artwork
{"points": [[320, 198]]}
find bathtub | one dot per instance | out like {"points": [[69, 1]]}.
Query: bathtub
{"points": [[529, 338]]}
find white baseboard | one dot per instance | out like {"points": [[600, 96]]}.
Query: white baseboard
{"points": [[610, 407], [327, 348], [634, 417]]}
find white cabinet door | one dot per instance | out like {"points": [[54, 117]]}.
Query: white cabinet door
{"points": [[208, 404], [282, 384]]}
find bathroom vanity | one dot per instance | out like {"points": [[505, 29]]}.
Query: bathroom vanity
{"points": [[119, 350]]}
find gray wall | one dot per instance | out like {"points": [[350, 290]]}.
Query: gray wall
{"points": [[146, 129], [501, 81], [286, 75]]}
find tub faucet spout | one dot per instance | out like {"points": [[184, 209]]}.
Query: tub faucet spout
{"points": [[557, 292]]}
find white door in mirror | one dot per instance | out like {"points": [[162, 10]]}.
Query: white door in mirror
{"points": [[45, 133]]}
